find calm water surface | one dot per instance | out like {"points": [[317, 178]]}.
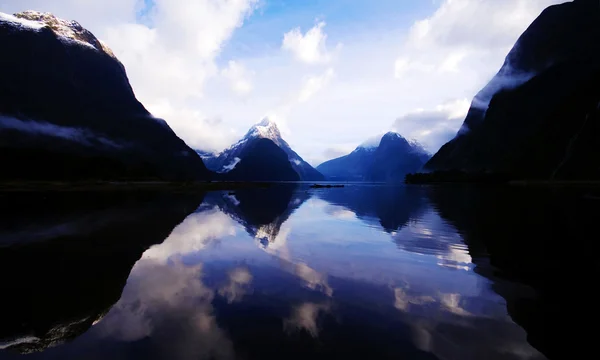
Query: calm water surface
{"points": [[289, 272]]}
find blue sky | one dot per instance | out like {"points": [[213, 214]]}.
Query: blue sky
{"points": [[331, 74]]}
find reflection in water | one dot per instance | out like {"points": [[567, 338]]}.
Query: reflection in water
{"points": [[64, 258], [304, 317], [361, 272], [526, 234], [238, 285]]}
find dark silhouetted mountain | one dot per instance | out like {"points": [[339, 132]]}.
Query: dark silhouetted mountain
{"points": [[266, 129], [388, 161], [394, 158], [65, 258], [262, 160], [392, 207], [262, 212], [351, 167], [538, 237], [68, 112], [539, 116]]}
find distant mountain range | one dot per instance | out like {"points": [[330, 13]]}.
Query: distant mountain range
{"points": [[261, 150], [387, 161], [67, 111], [539, 117]]}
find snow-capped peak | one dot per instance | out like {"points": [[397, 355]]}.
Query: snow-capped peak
{"points": [[70, 31], [266, 129]]}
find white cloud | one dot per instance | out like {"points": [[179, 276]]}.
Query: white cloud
{"points": [[169, 54], [433, 127], [192, 235], [314, 84], [477, 24], [175, 61], [310, 47], [238, 77]]}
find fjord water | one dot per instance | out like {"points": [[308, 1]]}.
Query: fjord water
{"points": [[287, 272]]}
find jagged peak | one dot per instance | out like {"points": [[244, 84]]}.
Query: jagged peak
{"points": [[66, 30], [265, 129]]}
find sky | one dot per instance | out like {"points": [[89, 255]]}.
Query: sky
{"points": [[331, 73]]}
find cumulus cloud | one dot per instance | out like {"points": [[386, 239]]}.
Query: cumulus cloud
{"points": [[310, 47], [433, 127], [467, 30], [169, 52], [182, 68], [477, 24]]}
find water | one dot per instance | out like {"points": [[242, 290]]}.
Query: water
{"points": [[287, 272]]}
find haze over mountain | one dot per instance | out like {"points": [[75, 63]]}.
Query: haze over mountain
{"points": [[267, 155], [386, 160], [67, 111], [539, 116]]}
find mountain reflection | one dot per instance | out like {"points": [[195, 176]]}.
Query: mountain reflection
{"points": [[292, 272], [54, 251], [391, 206], [261, 211], [523, 235]]}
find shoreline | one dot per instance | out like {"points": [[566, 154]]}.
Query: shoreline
{"points": [[33, 186]]}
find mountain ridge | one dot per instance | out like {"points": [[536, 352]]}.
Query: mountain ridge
{"points": [[227, 159], [538, 128], [386, 159], [72, 115]]}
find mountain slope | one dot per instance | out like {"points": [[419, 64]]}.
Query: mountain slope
{"points": [[266, 129], [545, 125], [388, 161], [262, 160], [394, 158], [71, 113], [351, 167]]}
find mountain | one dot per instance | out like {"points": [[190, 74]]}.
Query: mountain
{"points": [[388, 161], [65, 258], [351, 167], [262, 212], [378, 205], [512, 234], [262, 160], [539, 116], [266, 129], [68, 112]]}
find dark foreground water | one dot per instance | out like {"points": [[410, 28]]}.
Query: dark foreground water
{"points": [[361, 272]]}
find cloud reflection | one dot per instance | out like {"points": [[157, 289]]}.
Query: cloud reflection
{"points": [[431, 235], [165, 300], [238, 285], [305, 316], [279, 248], [193, 234]]}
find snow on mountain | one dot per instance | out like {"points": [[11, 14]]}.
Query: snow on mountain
{"points": [[66, 31], [384, 157], [20, 23], [266, 129]]}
